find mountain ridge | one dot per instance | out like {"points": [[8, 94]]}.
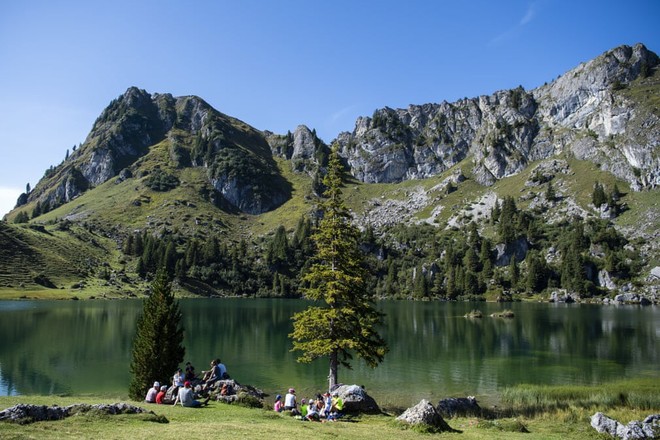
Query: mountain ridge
{"points": [[502, 132], [176, 170], [507, 129]]}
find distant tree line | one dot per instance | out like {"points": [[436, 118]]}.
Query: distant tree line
{"points": [[410, 261]]}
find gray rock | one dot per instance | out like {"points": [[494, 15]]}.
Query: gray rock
{"points": [[655, 272], [603, 424], [505, 252], [604, 280], [627, 298], [562, 296], [635, 430], [356, 399], [424, 413]]}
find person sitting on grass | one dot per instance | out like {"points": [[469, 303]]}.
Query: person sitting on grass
{"points": [[278, 406], [337, 407], [312, 412], [152, 393], [187, 399], [160, 397], [303, 408], [290, 403]]}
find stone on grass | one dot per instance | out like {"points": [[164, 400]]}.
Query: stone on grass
{"points": [[635, 430], [356, 399], [424, 414]]}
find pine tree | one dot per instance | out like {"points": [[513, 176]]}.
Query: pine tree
{"points": [[506, 226], [598, 196], [346, 321], [127, 248], [514, 272], [536, 278], [157, 347], [550, 193], [278, 248], [421, 287]]}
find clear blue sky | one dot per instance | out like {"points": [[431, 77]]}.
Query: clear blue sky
{"points": [[278, 64]]}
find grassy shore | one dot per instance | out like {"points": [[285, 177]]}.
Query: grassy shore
{"points": [[530, 412]]}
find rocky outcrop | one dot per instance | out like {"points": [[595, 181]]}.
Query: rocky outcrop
{"points": [[585, 112], [425, 414], [27, 413], [562, 296], [649, 428], [518, 250], [303, 148], [631, 298]]}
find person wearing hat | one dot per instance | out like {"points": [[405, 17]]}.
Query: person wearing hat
{"points": [[152, 393], [161, 394], [290, 403], [278, 406], [187, 399]]}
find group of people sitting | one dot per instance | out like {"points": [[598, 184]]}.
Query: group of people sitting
{"points": [[187, 387], [323, 408]]}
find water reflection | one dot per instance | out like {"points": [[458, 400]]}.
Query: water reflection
{"points": [[84, 347]]}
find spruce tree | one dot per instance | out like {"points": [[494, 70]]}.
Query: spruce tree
{"points": [[345, 320], [598, 196], [157, 347]]}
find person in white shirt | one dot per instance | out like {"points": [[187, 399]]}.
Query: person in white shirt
{"points": [[151, 394], [290, 403]]}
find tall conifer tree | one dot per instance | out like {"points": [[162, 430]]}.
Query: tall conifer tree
{"points": [[157, 347], [346, 320]]}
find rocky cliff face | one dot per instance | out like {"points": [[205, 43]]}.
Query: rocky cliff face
{"points": [[236, 156], [592, 112], [303, 148]]}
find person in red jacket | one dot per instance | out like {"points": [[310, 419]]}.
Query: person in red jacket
{"points": [[161, 394]]}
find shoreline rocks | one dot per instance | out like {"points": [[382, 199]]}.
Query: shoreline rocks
{"points": [[27, 413], [649, 428], [424, 414]]}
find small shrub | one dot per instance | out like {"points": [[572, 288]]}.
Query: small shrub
{"points": [[503, 425], [248, 401], [159, 180]]}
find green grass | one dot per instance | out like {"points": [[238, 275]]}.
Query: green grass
{"points": [[230, 421], [637, 394], [288, 214]]}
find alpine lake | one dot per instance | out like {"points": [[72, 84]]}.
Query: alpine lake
{"points": [[84, 347]]}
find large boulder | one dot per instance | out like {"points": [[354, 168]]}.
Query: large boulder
{"points": [[424, 414], [649, 428], [459, 407], [356, 399]]}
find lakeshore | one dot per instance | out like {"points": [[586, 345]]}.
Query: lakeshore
{"points": [[567, 418]]}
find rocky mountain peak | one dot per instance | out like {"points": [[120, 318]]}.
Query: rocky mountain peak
{"points": [[236, 156], [584, 112]]}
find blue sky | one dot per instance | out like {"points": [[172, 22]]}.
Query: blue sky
{"points": [[278, 64]]}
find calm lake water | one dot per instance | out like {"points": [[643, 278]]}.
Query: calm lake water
{"points": [[84, 347]]}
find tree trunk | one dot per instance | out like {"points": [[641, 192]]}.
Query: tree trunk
{"points": [[332, 377]]}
